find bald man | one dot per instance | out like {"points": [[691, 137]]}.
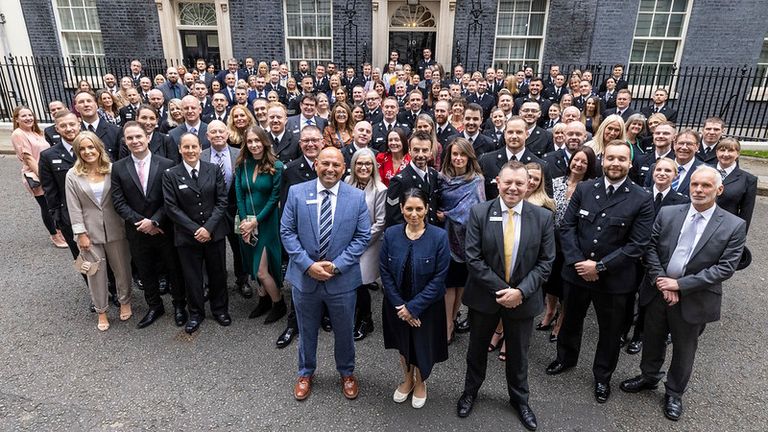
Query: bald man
{"points": [[190, 108]]}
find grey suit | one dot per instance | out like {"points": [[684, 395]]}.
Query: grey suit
{"points": [[713, 261]]}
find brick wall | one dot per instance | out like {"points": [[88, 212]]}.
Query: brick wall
{"points": [[357, 50], [41, 27], [476, 50], [258, 29], [614, 26], [570, 26], [130, 28]]}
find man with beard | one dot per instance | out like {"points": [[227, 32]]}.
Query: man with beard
{"points": [[416, 174], [539, 140], [559, 159]]}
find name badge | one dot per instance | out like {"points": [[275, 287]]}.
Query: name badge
{"points": [[183, 186], [495, 219], [312, 201], [493, 181], [583, 212], [56, 161], [644, 168]]}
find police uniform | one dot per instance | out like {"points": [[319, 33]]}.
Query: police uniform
{"points": [[491, 163], [408, 178], [379, 137]]}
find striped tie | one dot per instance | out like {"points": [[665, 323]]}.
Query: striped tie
{"points": [[676, 181], [326, 223]]}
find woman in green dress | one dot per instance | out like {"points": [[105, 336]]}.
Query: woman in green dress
{"points": [[257, 184]]}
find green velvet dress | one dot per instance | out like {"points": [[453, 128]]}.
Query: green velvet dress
{"points": [[262, 200]]}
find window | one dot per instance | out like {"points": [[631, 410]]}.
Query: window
{"points": [[658, 40], [760, 84], [80, 31], [308, 31], [519, 34]]}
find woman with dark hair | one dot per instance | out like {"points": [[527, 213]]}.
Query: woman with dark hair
{"points": [[457, 114], [358, 114], [341, 95], [581, 167], [591, 116], [459, 187], [159, 143], [414, 261], [257, 185], [425, 123], [109, 107], [28, 142], [433, 94], [380, 88], [392, 161], [338, 133]]}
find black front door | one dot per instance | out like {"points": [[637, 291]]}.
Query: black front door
{"points": [[411, 44], [203, 44]]}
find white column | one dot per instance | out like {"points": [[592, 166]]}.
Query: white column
{"points": [[166, 15], [445, 36], [380, 32]]}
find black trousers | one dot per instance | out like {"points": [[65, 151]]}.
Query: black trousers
{"points": [[363, 304], [198, 260], [154, 256], [610, 310], [50, 225], [517, 337], [661, 319], [237, 258]]}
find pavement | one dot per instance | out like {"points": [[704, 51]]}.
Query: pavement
{"points": [[756, 166], [57, 372]]}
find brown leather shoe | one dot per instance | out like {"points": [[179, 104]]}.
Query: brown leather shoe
{"points": [[349, 386], [303, 388]]}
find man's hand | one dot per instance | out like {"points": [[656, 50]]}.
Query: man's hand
{"points": [[144, 226], [328, 266], [317, 271], [667, 284], [202, 235], [671, 297], [587, 270], [510, 298]]}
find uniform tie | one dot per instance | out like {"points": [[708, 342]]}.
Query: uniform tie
{"points": [[509, 244]]}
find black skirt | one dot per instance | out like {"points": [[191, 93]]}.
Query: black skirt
{"points": [[457, 275]]}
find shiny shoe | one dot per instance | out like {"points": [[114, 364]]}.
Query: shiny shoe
{"points": [[278, 310], [462, 327], [244, 287], [637, 384], [401, 397], [151, 316], [602, 392], [286, 337], [362, 329], [193, 325], [303, 388], [673, 407], [464, 405], [179, 316], [556, 368], [547, 327], [325, 323], [349, 387], [224, 320], [527, 417], [634, 347], [264, 305], [418, 402]]}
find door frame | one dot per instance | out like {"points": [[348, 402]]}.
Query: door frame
{"points": [[168, 15]]}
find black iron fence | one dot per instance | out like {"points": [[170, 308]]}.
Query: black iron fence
{"points": [[738, 95]]}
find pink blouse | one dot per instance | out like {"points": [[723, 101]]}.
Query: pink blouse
{"points": [[32, 144]]}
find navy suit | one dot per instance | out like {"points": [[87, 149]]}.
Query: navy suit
{"points": [[202, 134], [110, 135], [409, 117], [160, 144], [739, 194], [447, 134], [707, 157], [300, 231], [379, 137], [557, 163], [53, 165], [491, 164], [287, 149], [539, 142]]}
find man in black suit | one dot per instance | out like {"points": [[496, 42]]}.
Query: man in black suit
{"points": [[515, 134], [190, 107], [539, 140], [373, 113], [196, 202], [202, 73], [53, 137], [685, 146], [274, 85], [307, 117], [623, 99], [284, 145], [248, 69], [710, 136], [136, 72], [159, 143], [506, 284], [418, 174], [473, 117], [415, 107], [617, 75], [303, 71], [663, 138], [693, 250], [603, 235], [85, 101], [361, 138], [201, 93], [535, 89], [555, 92], [443, 128], [554, 71], [232, 69], [321, 81], [389, 110], [157, 101], [559, 159], [129, 112], [482, 98], [220, 109], [659, 105], [298, 171], [506, 103], [585, 92], [229, 88], [426, 61], [137, 193]]}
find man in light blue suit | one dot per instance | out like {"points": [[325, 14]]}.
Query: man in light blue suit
{"points": [[325, 229]]}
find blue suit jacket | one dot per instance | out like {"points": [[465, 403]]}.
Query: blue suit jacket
{"points": [[300, 232]]}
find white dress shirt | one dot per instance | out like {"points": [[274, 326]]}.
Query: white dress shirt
{"points": [[334, 196]]}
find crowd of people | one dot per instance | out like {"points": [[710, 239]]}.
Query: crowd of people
{"points": [[515, 195]]}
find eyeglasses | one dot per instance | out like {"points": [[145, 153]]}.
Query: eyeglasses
{"points": [[311, 140], [364, 164]]}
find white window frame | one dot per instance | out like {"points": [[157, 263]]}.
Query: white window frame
{"points": [[543, 38], [289, 58], [759, 92], [646, 91], [72, 79]]}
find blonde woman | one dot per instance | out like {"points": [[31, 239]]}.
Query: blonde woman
{"points": [[239, 122], [612, 128], [99, 230]]}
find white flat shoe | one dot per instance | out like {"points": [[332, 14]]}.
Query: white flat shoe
{"points": [[418, 402], [401, 397]]}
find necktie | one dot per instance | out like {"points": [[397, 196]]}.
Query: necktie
{"points": [[389, 128], [275, 142], [707, 150], [471, 140], [610, 191], [498, 136], [193, 131], [141, 177], [685, 243], [222, 168], [194, 175], [676, 181], [91, 128], [326, 223], [514, 158], [175, 91], [723, 173], [509, 244], [310, 122], [231, 94], [657, 201]]}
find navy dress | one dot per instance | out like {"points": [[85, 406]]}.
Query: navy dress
{"points": [[413, 273]]}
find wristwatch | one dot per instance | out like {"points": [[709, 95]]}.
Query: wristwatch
{"points": [[335, 269], [155, 223], [600, 266]]}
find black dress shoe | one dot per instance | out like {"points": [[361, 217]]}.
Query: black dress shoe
{"points": [[151, 317], [325, 323], [623, 340], [638, 383], [223, 319], [527, 417], [179, 316], [552, 337], [556, 367], [244, 287], [261, 308], [462, 327], [362, 329], [286, 337], [192, 325], [464, 405], [139, 284], [163, 287], [92, 308], [602, 392], [634, 347], [279, 310], [673, 407]]}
